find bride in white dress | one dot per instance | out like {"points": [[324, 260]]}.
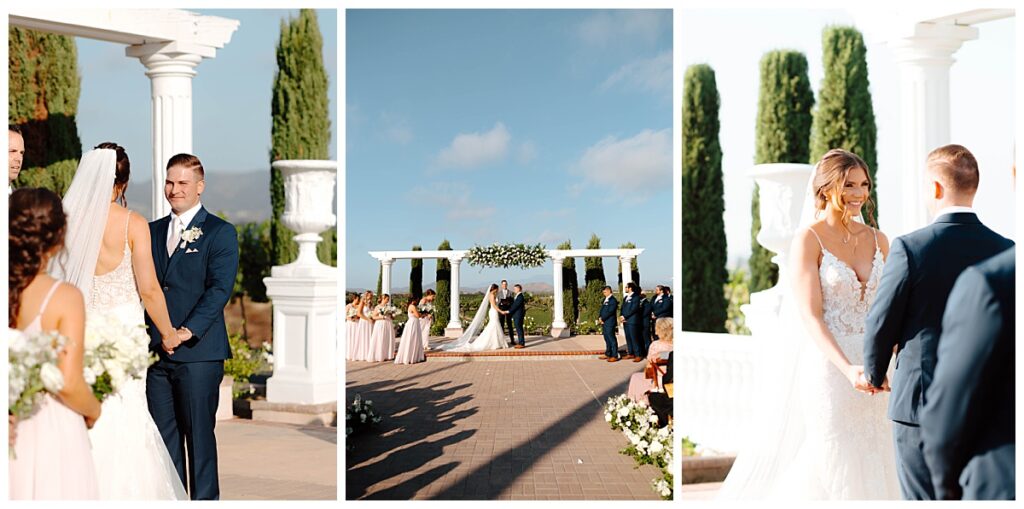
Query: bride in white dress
{"points": [[822, 431], [492, 337], [108, 257]]}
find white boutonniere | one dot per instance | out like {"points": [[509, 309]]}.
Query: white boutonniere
{"points": [[190, 235]]}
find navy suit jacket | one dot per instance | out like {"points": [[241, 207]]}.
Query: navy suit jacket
{"points": [[518, 307], [631, 310], [197, 281], [662, 309], [911, 298], [608, 311], [645, 313], [967, 423]]}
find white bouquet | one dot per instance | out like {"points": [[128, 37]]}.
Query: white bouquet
{"points": [[388, 311], [351, 313], [115, 353], [426, 307], [33, 370]]}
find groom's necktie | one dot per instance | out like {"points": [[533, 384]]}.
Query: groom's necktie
{"points": [[175, 236]]}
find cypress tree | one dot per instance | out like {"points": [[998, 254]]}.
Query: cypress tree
{"points": [[300, 127], [845, 117], [704, 249], [591, 298], [570, 289], [443, 300], [43, 90], [416, 275], [380, 280], [783, 136]]}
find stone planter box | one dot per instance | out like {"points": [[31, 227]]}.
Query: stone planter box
{"points": [[704, 469]]}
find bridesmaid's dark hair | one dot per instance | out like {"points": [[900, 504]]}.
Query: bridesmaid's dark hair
{"points": [[36, 225], [413, 300], [124, 170]]}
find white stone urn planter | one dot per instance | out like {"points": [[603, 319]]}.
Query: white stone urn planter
{"points": [[226, 402], [305, 292], [782, 192]]}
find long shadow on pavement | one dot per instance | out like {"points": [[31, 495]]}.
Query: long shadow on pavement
{"points": [[412, 416]]}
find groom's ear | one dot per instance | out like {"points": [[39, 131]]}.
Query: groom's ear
{"points": [[937, 190], [200, 187]]}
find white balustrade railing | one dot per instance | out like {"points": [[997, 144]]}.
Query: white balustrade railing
{"points": [[717, 387]]}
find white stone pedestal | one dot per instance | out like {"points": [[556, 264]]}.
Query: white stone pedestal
{"points": [[305, 339]]}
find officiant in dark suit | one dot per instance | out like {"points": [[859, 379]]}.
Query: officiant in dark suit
{"points": [[504, 298]]}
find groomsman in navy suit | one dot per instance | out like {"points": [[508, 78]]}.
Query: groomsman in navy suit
{"points": [[517, 311], [661, 306], [196, 259], [631, 325], [967, 422], [609, 310], [645, 325]]}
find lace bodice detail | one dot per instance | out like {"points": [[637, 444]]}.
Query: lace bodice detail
{"points": [[844, 307], [117, 287]]}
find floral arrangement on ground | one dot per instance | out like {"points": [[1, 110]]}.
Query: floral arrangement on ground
{"points": [[360, 416], [648, 444], [508, 255]]}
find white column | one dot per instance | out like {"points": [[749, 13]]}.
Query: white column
{"points": [[170, 70], [924, 59], [627, 271], [454, 328], [385, 278], [559, 329]]}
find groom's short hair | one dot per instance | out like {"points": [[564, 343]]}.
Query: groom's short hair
{"points": [[189, 161], [956, 166]]}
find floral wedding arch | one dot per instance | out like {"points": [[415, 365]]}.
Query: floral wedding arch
{"points": [[505, 256]]}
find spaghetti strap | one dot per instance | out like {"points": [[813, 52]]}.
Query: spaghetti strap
{"points": [[822, 246], [126, 221], [875, 231], [46, 300]]}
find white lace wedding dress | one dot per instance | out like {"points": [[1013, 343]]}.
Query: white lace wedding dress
{"points": [[836, 442], [131, 459], [491, 338]]}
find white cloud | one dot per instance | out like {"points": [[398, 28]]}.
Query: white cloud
{"points": [[647, 75], [527, 152], [471, 150], [454, 199], [606, 28], [630, 168], [396, 128]]}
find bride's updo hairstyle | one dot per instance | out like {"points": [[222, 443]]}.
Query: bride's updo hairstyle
{"points": [[492, 288], [124, 169], [36, 227], [829, 177]]}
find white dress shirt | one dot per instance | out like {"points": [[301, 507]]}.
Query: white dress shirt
{"points": [[185, 217]]}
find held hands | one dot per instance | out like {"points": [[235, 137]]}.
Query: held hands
{"points": [[180, 336], [855, 374]]}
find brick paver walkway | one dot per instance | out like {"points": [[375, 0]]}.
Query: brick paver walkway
{"points": [[519, 429], [264, 461]]}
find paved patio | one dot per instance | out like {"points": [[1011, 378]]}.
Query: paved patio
{"points": [[266, 461], [519, 429]]}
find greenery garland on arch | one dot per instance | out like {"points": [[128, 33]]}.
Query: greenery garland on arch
{"points": [[508, 255]]}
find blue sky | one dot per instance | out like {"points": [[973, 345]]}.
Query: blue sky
{"points": [[230, 94], [981, 88], [508, 126]]}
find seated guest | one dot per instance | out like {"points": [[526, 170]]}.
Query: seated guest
{"points": [[649, 380]]}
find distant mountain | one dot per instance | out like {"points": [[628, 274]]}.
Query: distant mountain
{"points": [[243, 196]]}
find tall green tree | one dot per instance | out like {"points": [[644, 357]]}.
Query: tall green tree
{"points": [[442, 302], [416, 275], [783, 135], [845, 117], [380, 280], [634, 267], [42, 98], [703, 249], [570, 288], [591, 297], [300, 127]]}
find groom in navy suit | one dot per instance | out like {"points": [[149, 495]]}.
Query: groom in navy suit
{"points": [[196, 258], [518, 313], [609, 309], [632, 327], [911, 298]]}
